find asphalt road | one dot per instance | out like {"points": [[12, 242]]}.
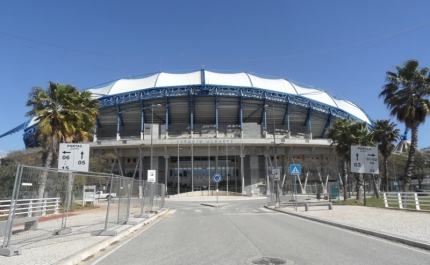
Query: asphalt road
{"points": [[243, 232]]}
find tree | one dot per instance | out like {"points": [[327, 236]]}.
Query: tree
{"points": [[386, 136], [345, 133], [406, 96], [422, 165], [63, 114]]}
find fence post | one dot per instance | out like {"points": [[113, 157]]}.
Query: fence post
{"points": [[29, 211], [385, 200], [6, 250], [417, 202], [44, 207], [57, 205], [400, 200]]}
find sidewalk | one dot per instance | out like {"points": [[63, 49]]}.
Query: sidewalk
{"points": [[408, 227], [71, 248]]}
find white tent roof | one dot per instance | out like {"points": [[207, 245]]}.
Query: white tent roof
{"points": [[227, 79]]}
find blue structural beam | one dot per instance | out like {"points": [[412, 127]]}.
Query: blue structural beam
{"points": [[287, 116], [16, 129], [120, 121], [167, 113], [327, 124], [263, 118], [142, 116], [99, 125], [308, 117]]}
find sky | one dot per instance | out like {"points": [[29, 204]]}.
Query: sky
{"points": [[342, 47]]}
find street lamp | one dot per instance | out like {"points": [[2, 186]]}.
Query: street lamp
{"points": [[209, 167], [234, 170], [178, 169], [226, 164], [274, 152], [152, 124]]}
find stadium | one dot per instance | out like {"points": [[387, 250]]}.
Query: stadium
{"points": [[190, 126]]}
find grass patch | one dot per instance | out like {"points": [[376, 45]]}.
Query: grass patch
{"points": [[373, 202], [79, 207]]}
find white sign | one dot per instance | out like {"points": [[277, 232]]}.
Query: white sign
{"points": [[151, 175], [364, 159], [277, 174], [74, 157]]}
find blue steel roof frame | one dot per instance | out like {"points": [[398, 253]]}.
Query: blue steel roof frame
{"points": [[226, 91], [17, 128]]}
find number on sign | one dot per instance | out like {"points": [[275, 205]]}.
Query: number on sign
{"points": [[357, 164], [81, 162]]}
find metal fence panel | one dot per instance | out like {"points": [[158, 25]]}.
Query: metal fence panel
{"points": [[47, 203]]}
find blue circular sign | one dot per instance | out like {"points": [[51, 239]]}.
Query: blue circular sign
{"points": [[217, 177]]}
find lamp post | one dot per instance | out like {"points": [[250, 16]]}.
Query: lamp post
{"points": [[152, 124], [226, 164], [178, 169], [209, 167], [274, 153], [234, 170]]}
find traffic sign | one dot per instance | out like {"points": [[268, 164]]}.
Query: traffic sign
{"points": [[364, 159], [295, 169], [217, 177], [74, 157], [277, 174], [151, 175]]}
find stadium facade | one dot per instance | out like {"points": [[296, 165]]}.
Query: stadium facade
{"points": [[190, 126]]}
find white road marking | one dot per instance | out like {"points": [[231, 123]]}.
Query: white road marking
{"points": [[172, 211]]}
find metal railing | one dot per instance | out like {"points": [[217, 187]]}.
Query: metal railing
{"points": [[407, 200], [59, 195], [30, 207]]}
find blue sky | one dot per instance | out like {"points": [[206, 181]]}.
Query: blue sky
{"points": [[342, 47]]}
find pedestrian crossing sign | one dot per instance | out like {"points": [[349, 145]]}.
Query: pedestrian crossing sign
{"points": [[295, 169]]}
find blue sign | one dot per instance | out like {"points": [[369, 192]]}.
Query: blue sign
{"points": [[295, 169], [217, 177]]}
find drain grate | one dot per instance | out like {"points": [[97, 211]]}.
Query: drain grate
{"points": [[269, 261]]}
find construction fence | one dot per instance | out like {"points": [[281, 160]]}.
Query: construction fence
{"points": [[48, 203]]}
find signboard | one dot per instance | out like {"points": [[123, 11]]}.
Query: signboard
{"points": [[277, 174], [364, 159], [88, 194], [151, 175], [74, 157], [217, 177], [295, 169]]}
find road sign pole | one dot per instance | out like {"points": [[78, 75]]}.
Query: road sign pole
{"points": [[217, 194], [364, 180]]}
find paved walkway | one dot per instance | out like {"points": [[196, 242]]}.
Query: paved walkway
{"points": [[413, 226], [410, 225]]}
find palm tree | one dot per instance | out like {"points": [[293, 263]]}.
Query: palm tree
{"points": [[406, 96], [340, 134], [386, 136], [63, 114], [345, 133]]}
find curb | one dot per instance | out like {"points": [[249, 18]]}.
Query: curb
{"points": [[215, 205], [397, 239], [85, 253]]}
